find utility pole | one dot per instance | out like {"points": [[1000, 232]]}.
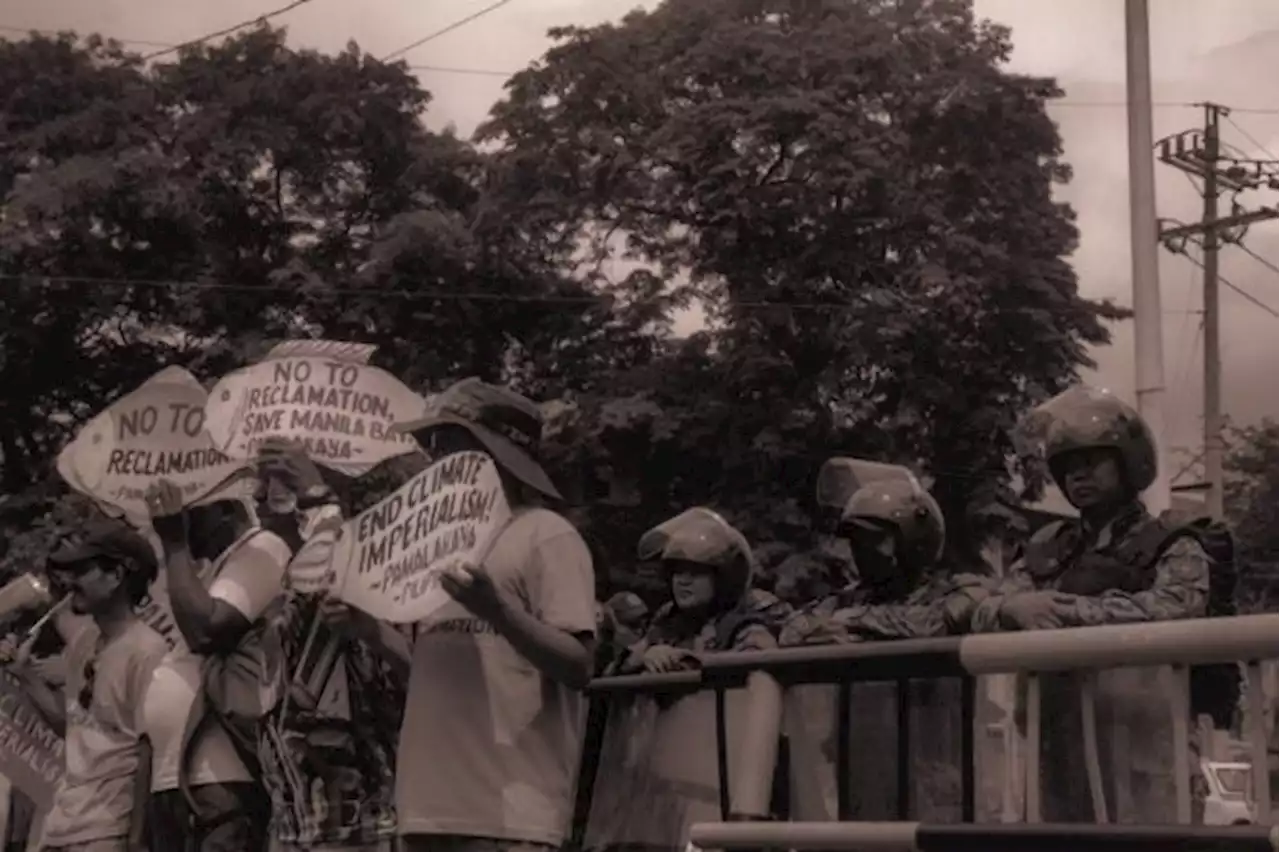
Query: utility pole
{"points": [[1199, 153], [1144, 249]]}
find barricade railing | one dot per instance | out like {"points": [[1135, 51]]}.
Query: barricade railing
{"points": [[1174, 645]]}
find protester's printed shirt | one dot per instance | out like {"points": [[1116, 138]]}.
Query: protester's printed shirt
{"points": [[750, 626], [941, 606], [1179, 585]]}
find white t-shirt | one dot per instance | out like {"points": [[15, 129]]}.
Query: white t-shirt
{"points": [[508, 736], [248, 576]]}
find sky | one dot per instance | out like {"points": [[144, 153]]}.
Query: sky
{"points": [[1224, 52]]}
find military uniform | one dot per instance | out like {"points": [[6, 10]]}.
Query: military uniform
{"points": [[887, 517], [1128, 569], [940, 607]]}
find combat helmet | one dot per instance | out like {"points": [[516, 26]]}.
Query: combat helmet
{"points": [[701, 536], [1086, 418], [890, 496]]}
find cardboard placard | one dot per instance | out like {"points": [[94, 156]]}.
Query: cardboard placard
{"points": [[156, 432], [389, 559], [343, 410], [32, 755]]}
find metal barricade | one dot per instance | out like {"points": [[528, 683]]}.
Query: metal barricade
{"points": [[758, 680]]}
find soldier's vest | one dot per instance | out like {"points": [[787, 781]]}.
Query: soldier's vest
{"points": [[1059, 557]]}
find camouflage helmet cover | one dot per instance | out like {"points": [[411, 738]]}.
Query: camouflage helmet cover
{"points": [[1083, 418]]}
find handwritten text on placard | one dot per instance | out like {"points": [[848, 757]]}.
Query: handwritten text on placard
{"points": [[158, 431], [343, 412], [31, 753], [390, 557]]}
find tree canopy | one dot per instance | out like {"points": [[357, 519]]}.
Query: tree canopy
{"points": [[1253, 487], [858, 195], [862, 200]]}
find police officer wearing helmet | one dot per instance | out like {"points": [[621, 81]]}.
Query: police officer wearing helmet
{"points": [[1115, 564], [895, 534], [713, 607]]}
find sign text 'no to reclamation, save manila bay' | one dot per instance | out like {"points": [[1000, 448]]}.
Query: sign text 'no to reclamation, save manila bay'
{"points": [[390, 557], [342, 411]]}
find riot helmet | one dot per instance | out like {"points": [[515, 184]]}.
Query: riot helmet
{"points": [[699, 541], [894, 528], [1084, 418]]}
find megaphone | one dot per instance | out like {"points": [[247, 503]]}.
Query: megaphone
{"points": [[24, 592]]}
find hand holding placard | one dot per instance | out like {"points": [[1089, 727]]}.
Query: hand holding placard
{"points": [[391, 558]]}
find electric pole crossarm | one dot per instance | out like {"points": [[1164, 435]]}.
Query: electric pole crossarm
{"points": [[1260, 215]]}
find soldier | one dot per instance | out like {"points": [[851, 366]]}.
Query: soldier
{"points": [[895, 534], [1115, 564], [713, 606]]}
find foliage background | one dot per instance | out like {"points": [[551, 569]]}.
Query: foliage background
{"points": [[857, 195]]}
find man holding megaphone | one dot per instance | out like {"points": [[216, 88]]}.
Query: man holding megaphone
{"points": [[99, 804]]}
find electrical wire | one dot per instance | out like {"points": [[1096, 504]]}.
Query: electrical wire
{"points": [[226, 31], [458, 24], [1253, 254], [48, 281], [1244, 294], [1263, 148]]}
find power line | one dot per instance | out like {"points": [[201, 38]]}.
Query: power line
{"points": [[462, 22], [1253, 254], [1242, 293], [48, 281], [1248, 136], [227, 31]]}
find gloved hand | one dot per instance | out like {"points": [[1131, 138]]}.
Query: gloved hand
{"points": [[1038, 610]]}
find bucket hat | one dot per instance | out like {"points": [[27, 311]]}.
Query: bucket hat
{"points": [[508, 424]]}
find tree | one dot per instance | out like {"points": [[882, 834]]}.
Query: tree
{"points": [[859, 195], [1251, 504], [192, 211]]}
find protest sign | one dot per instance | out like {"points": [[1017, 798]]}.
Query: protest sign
{"points": [[156, 432], [31, 752], [342, 409], [390, 557]]}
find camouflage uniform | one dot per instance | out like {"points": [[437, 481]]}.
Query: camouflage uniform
{"points": [[740, 617], [933, 605], [940, 607], [1133, 568], [917, 602]]}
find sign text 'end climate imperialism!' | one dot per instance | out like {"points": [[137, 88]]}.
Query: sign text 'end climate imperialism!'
{"points": [[391, 556], [343, 412]]}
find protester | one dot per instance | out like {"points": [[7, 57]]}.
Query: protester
{"points": [[1115, 564], [713, 606], [99, 804], [222, 572], [327, 745], [896, 535], [494, 721]]}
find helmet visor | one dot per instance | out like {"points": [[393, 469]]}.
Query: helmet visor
{"points": [[695, 535], [1081, 411], [840, 478]]}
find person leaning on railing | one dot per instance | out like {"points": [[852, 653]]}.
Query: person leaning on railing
{"points": [[1115, 564], [709, 567], [896, 533]]}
